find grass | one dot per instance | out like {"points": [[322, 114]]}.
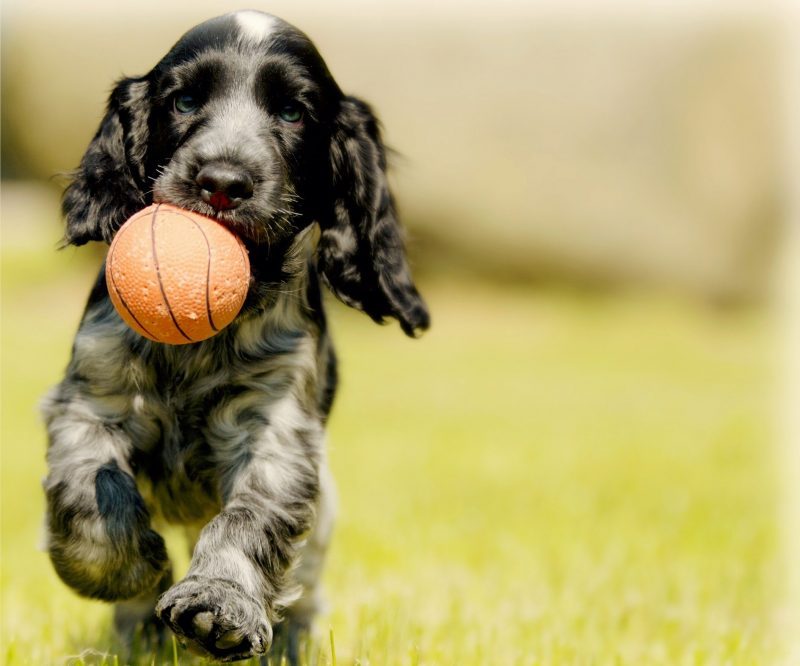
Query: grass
{"points": [[548, 477]]}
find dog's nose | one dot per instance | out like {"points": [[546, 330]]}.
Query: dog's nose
{"points": [[224, 186]]}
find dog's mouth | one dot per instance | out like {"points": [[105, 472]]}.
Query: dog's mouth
{"points": [[262, 213], [241, 220], [221, 201]]}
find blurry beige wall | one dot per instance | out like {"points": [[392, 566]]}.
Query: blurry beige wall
{"points": [[536, 140]]}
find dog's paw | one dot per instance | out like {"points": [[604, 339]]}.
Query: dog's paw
{"points": [[216, 618]]}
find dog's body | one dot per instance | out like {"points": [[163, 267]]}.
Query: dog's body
{"points": [[242, 121]]}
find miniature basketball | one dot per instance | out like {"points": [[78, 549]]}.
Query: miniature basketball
{"points": [[175, 276]]}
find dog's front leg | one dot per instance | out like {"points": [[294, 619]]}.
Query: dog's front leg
{"points": [[98, 528], [238, 579]]}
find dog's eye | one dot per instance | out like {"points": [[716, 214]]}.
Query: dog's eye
{"points": [[186, 103], [291, 113]]}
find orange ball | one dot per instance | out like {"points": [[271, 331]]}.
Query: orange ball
{"points": [[176, 276]]}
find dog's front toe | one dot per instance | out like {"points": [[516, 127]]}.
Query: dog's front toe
{"points": [[216, 618]]}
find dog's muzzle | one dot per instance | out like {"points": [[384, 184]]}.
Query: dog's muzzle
{"points": [[224, 186]]}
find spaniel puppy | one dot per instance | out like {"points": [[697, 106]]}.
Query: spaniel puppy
{"points": [[240, 121]]}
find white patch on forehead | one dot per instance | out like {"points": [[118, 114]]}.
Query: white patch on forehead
{"points": [[255, 26]]}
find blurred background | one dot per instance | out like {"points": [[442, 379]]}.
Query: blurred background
{"points": [[581, 462], [535, 142]]}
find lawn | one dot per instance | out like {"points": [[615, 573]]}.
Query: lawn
{"points": [[548, 477]]}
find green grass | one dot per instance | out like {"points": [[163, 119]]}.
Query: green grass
{"points": [[548, 477]]}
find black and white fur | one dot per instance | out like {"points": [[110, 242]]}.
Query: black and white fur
{"points": [[224, 436]]}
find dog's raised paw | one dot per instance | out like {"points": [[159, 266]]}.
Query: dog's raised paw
{"points": [[215, 618]]}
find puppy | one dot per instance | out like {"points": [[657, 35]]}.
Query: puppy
{"points": [[241, 121]]}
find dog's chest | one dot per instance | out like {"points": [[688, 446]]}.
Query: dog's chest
{"points": [[195, 419]]}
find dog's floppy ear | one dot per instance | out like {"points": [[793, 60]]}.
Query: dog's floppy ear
{"points": [[109, 185], [361, 256]]}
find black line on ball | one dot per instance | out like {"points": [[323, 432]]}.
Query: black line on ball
{"points": [[125, 305], [158, 274], [208, 276]]}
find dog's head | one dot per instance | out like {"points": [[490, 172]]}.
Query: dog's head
{"points": [[242, 121]]}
